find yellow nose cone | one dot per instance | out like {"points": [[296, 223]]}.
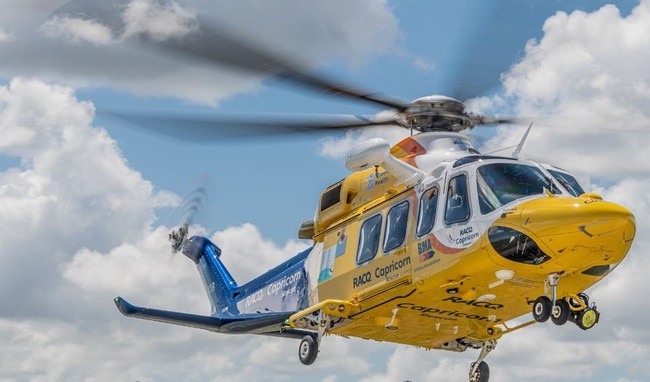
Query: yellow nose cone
{"points": [[564, 234], [593, 217]]}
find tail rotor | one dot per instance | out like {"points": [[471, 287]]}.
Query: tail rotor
{"points": [[187, 214]]}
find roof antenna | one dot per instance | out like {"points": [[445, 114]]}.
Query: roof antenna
{"points": [[515, 154]]}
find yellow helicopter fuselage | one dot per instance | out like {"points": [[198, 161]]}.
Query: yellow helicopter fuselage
{"points": [[458, 255]]}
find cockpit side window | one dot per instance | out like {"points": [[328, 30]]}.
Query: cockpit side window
{"points": [[457, 208], [396, 226], [427, 211], [568, 181], [369, 239]]}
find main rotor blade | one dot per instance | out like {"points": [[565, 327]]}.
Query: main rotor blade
{"points": [[198, 127], [212, 46]]}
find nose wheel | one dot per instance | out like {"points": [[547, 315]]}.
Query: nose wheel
{"points": [[542, 308], [561, 312], [573, 308]]}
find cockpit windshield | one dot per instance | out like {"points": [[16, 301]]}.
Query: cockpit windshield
{"points": [[501, 183]]}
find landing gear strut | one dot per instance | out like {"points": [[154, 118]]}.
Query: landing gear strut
{"points": [[574, 308], [479, 371]]}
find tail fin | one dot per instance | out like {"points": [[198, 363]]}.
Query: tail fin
{"points": [[219, 284]]}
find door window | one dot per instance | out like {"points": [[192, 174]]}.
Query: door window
{"points": [[427, 211], [396, 226], [457, 209], [369, 239]]}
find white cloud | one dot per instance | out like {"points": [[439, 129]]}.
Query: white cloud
{"points": [[144, 269], [5, 36], [412, 364], [337, 148], [159, 21], [249, 254], [70, 172], [587, 76], [424, 65], [77, 232], [72, 190], [76, 30]]}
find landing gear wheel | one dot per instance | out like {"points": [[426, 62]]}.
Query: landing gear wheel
{"points": [[542, 308], [481, 374], [308, 350], [587, 318], [561, 312]]}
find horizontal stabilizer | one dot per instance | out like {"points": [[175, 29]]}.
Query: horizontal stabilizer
{"points": [[262, 323]]}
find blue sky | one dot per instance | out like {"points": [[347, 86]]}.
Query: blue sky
{"points": [[89, 197]]}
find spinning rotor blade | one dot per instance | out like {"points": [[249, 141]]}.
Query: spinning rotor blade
{"points": [[212, 46], [186, 214], [479, 119], [191, 206], [197, 127]]}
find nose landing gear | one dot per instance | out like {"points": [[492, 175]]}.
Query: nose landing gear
{"points": [[574, 308]]}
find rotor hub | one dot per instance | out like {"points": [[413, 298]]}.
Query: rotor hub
{"points": [[437, 113]]}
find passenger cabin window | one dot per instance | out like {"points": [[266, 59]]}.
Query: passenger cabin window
{"points": [[501, 183], [568, 181], [457, 209], [396, 226], [369, 239], [427, 211]]}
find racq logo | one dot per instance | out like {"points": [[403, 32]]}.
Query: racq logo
{"points": [[479, 304], [448, 315]]}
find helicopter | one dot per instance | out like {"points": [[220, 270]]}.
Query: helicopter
{"points": [[427, 243]]}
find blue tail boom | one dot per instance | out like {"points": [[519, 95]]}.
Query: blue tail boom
{"points": [[260, 306]]}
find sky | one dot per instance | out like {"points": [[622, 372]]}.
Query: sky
{"points": [[86, 201]]}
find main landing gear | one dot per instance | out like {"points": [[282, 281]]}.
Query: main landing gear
{"points": [[574, 307], [308, 349], [479, 370]]}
